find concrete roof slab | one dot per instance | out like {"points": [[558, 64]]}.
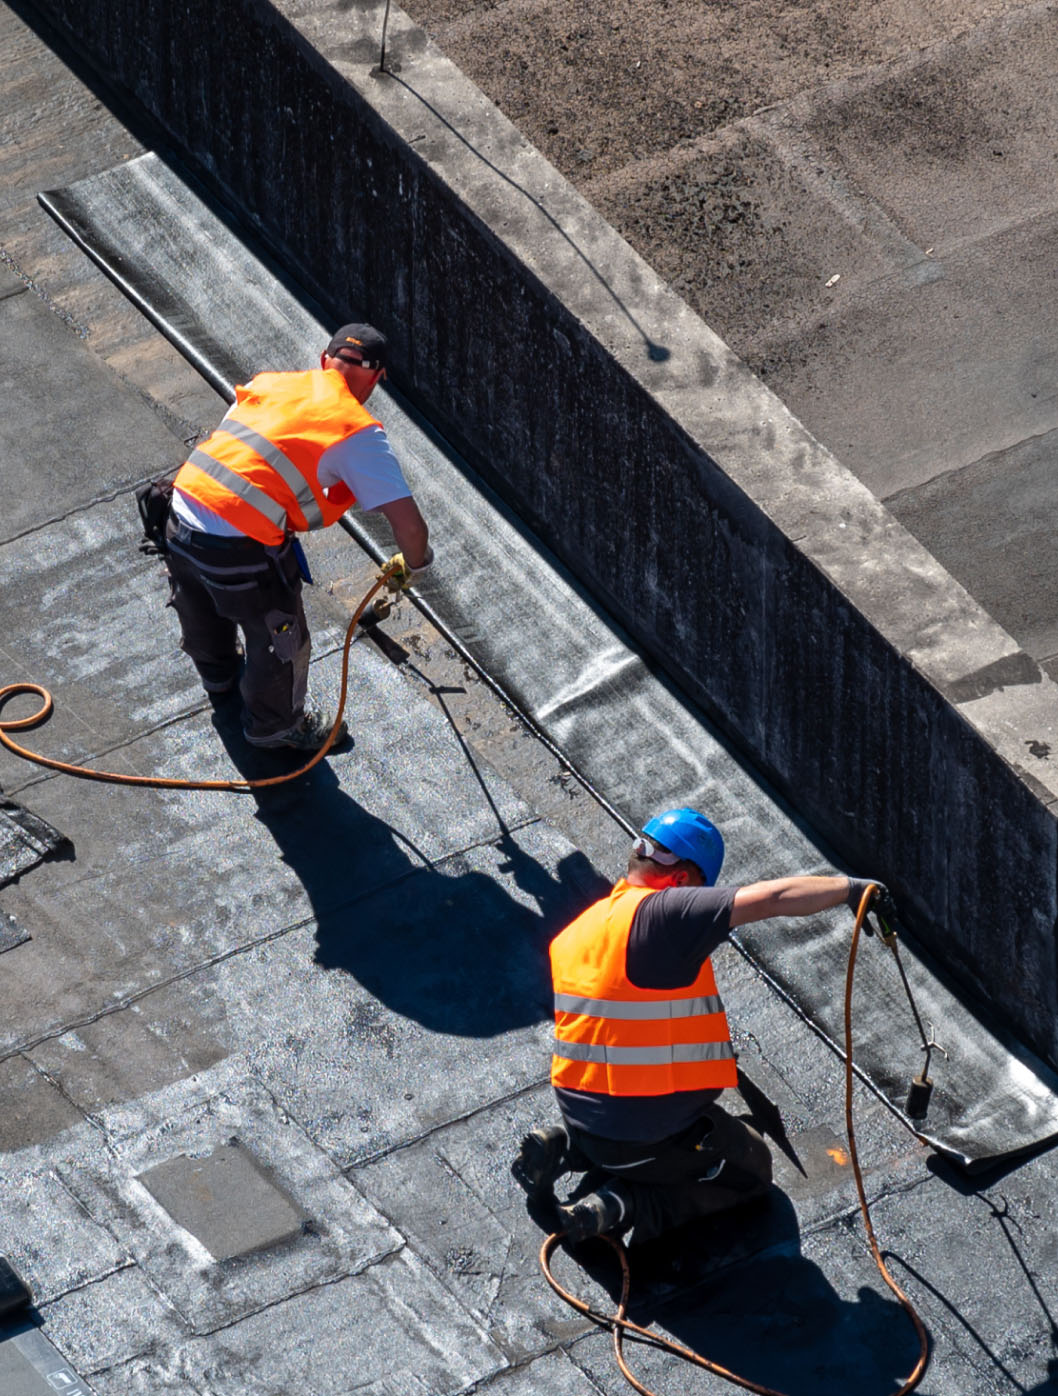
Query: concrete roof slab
{"points": [[395, 1327], [868, 361], [629, 80], [61, 135], [736, 219], [121, 1316], [974, 112], [194, 1118], [363, 1050], [171, 1033], [1016, 489], [46, 1233], [49, 374]]}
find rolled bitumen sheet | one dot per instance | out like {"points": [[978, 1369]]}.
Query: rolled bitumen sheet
{"points": [[534, 631]]}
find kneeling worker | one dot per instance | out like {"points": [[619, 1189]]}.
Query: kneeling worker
{"points": [[294, 451], [642, 1048]]}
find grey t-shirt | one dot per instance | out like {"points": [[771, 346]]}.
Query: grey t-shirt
{"points": [[673, 933]]}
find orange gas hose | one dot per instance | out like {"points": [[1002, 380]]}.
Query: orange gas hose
{"points": [[169, 782], [619, 1323]]}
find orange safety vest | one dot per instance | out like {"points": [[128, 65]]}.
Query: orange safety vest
{"points": [[613, 1038], [258, 469]]}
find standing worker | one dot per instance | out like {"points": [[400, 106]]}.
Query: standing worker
{"points": [[642, 1048], [293, 452]]}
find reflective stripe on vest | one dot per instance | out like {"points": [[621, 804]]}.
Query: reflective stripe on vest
{"points": [[250, 494], [280, 463], [643, 1010], [644, 1056]]}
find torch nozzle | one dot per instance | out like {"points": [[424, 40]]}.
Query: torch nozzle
{"points": [[918, 1097]]}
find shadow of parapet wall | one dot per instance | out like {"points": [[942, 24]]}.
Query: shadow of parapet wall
{"points": [[782, 596]]}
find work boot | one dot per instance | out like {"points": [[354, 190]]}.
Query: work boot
{"points": [[540, 1160], [606, 1209], [308, 736]]}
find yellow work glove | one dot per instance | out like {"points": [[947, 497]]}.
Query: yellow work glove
{"points": [[401, 576]]}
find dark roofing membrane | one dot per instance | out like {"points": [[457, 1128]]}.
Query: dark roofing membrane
{"points": [[25, 841], [533, 630]]}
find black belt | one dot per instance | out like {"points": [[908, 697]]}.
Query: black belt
{"points": [[218, 541]]}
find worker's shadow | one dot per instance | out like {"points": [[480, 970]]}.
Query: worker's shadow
{"points": [[737, 1290], [460, 947]]}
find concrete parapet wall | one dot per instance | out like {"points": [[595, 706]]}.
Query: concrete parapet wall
{"points": [[898, 718]]}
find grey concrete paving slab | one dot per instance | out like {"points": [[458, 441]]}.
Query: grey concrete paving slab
{"points": [[1014, 558], [225, 1200], [48, 470], [342, 1234], [393, 1331], [31, 1366]]}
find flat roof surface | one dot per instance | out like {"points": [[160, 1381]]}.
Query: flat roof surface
{"points": [[347, 978], [861, 199]]}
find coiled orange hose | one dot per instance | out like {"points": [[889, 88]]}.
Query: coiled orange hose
{"points": [[8, 725]]}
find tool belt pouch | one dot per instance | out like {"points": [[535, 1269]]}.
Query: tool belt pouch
{"points": [[153, 501]]}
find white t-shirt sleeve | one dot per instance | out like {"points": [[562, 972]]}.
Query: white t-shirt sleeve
{"points": [[366, 463]]}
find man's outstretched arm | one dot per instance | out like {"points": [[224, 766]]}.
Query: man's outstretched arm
{"points": [[796, 896]]}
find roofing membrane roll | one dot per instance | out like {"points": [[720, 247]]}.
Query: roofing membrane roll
{"points": [[543, 640]]}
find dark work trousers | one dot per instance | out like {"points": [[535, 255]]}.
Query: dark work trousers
{"points": [[665, 1180], [220, 586]]}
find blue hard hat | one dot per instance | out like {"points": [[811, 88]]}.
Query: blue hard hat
{"points": [[691, 836]]}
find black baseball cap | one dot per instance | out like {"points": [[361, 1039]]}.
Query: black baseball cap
{"points": [[361, 342]]}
